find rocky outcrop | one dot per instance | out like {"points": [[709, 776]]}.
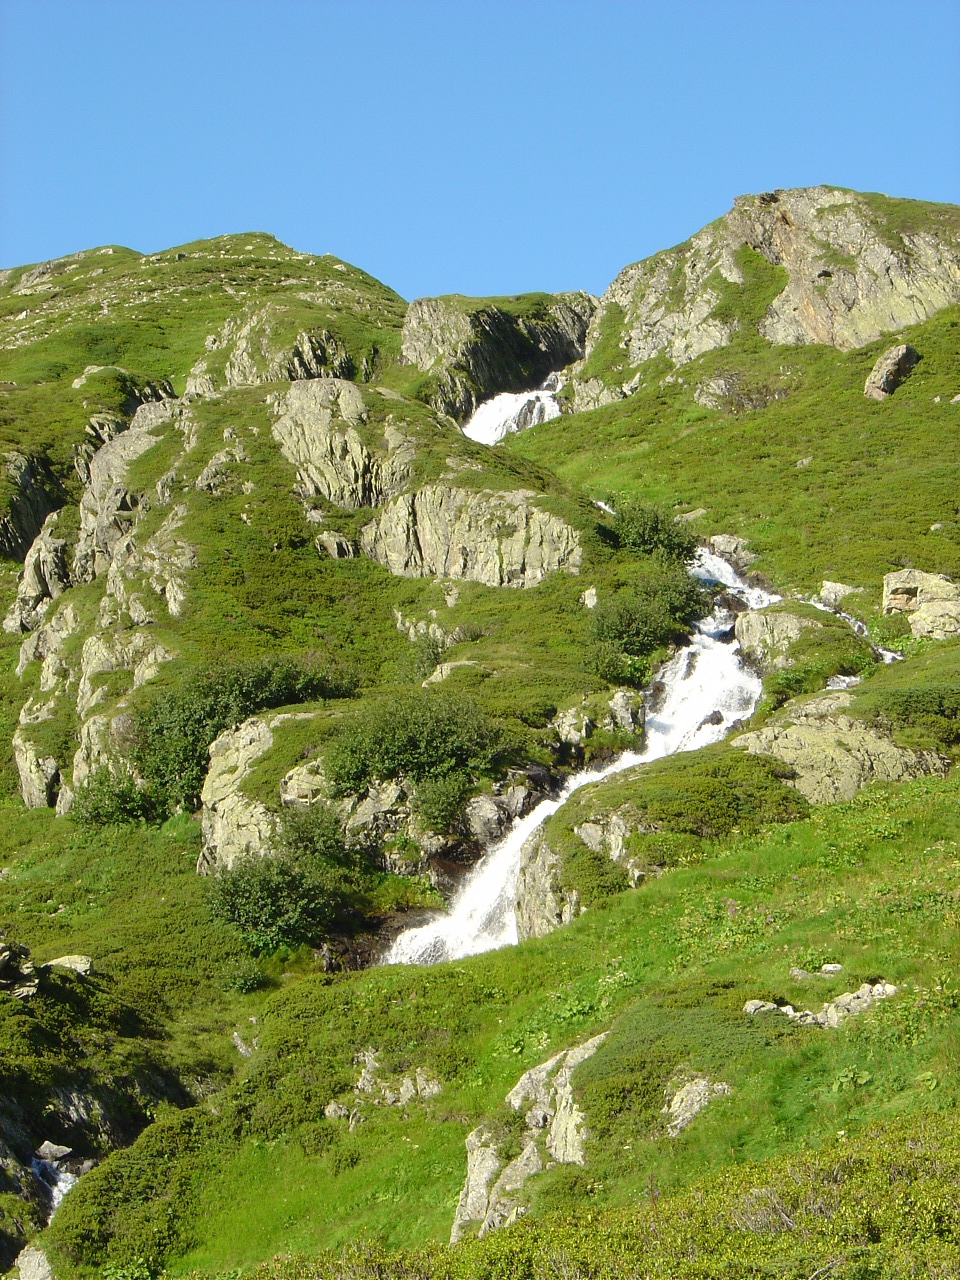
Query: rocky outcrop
{"points": [[108, 510], [766, 636], [39, 774], [554, 1131], [233, 825], [45, 577], [889, 371], [477, 352], [317, 432], [256, 355], [931, 602], [733, 549], [36, 493], [833, 1012], [541, 903], [686, 1096], [833, 755], [499, 539], [848, 279], [624, 712]]}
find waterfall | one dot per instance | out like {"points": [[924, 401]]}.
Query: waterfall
{"points": [[703, 691], [511, 412]]}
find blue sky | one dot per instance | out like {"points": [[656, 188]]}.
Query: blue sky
{"points": [[459, 146]]}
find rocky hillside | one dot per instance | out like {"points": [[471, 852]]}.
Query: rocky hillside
{"points": [[284, 652]]}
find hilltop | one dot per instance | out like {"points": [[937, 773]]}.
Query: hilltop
{"points": [[285, 651]]}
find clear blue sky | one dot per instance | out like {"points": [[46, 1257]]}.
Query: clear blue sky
{"points": [[482, 147]]}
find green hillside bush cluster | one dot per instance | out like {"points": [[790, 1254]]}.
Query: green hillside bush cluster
{"points": [[172, 733], [108, 798], [629, 628], [310, 886], [439, 741], [649, 528]]}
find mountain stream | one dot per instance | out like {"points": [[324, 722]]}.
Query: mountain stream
{"points": [[511, 412], [701, 693]]}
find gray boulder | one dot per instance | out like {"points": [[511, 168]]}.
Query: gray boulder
{"points": [[497, 538], [765, 637], [889, 371], [931, 601], [832, 755]]}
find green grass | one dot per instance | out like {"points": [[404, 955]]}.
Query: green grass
{"points": [[666, 968]]}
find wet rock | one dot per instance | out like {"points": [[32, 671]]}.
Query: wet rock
{"points": [[541, 902], [889, 371], [732, 549], [475, 353]]}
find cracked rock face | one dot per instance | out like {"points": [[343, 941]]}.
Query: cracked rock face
{"points": [[541, 902], [45, 577], [233, 825], [833, 755], [317, 432], [848, 282], [477, 353], [497, 538], [554, 1130]]}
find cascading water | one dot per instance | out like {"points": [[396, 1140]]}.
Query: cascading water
{"points": [[705, 690], [57, 1181], [511, 412]]}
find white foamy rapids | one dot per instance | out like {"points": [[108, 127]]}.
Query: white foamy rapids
{"points": [[701, 693], [57, 1181], [511, 412]]}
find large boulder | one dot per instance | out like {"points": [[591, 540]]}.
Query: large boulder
{"points": [[889, 371], [931, 601], [766, 636], [833, 755], [497, 538], [317, 432]]}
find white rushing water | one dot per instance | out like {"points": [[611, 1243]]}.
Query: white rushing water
{"points": [[705, 690], [511, 412], [56, 1180]]}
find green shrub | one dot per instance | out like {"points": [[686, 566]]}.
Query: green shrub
{"points": [[171, 735], [107, 799], [438, 802], [423, 736], [651, 529], [630, 626], [272, 901]]}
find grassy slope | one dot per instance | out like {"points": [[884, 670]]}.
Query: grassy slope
{"points": [[879, 475], [666, 967]]}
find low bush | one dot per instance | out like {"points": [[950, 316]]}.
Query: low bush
{"points": [[297, 895], [423, 737], [107, 799], [172, 734], [650, 529], [637, 621]]}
